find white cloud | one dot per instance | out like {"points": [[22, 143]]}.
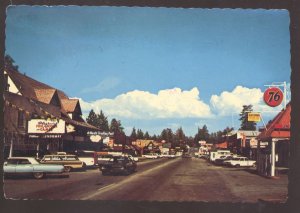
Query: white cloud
{"points": [[177, 103], [232, 102], [169, 103]]}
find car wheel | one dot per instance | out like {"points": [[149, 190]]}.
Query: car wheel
{"points": [[38, 175], [84, 167], [237, 166], [68, 168], [127, 172]]}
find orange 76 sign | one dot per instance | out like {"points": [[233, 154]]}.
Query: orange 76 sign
{"points": [[273, 96]]}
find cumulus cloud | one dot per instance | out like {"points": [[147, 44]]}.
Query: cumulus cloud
{"points": [[232, 102], [169, 103]]}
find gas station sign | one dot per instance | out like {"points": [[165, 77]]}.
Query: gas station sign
{"points": [[273, 96]]}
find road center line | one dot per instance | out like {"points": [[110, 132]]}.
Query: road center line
{"points": [[106, 186], [129, 179], [100, 189]]}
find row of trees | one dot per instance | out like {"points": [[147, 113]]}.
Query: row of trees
{"points": [[100, 121], [177, 138]]}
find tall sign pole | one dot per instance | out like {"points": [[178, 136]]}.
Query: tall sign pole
{"points": [[273, 97]]}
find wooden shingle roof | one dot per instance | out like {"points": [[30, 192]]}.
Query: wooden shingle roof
{"points": [[69, 105], [25, 84], [44, 95]]}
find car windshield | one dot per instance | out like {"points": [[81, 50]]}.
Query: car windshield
{"points": [[119, 159]]}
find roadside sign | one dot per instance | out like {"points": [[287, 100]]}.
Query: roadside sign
{"points": [[254, 116], [273, 96]]}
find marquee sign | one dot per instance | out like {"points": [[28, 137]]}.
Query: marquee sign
{"points": [[46, 126], [273, 96]]}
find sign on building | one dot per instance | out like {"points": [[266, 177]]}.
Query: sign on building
{"points": [[46, 126], [95, 138], [254, 116], [106, 140]]}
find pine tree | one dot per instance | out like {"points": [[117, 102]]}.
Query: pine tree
{"points": [[133, 134], [140, 134], [93, 119], [202, 134], [146, 135], [167, 135], [115, 126], [9, 63], [179, 137], [103, 122], [245, 124]]}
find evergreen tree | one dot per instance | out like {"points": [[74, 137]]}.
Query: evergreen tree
{"points": [[140, 134], [202, 135], [103, 122], [93, 119], [146, 135], [115, 126], [154, 137], [167, 135], [9, 63], [179, 137], [216, 137], [133, 134], [245, 124]]}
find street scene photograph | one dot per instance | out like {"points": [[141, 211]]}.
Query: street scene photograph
{"points": [[146, 104]]}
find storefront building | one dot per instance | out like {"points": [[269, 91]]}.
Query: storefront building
{"points": [[40, 119], [277, 137]]}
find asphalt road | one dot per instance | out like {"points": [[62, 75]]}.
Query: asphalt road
{"points": [[156, 180]]}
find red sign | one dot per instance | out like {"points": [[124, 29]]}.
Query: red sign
{"points": [[273, 96]]}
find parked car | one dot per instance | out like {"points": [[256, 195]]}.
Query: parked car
{"points": [[150, 156], [136, 159], [70, 162], [186, 155], [118, 164], [89, 158], [168, 156], [240, 161], [222, 159], [29, 165], [103, 158]]}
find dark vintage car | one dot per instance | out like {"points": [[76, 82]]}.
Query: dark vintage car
{"points": [[118, 165], [220, 161], [186, 155]]}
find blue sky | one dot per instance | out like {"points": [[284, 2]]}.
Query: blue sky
{"points": [[154, 68]]}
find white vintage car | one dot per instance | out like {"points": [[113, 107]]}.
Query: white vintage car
{"points": [[29, 165], [150, 156], [240, 161]]}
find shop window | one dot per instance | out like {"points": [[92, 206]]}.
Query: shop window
{"points": [[21, 119]]}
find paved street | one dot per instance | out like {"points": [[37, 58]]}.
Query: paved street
{"points": [[187, 179]]}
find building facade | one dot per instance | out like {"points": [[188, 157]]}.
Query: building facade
{"points": [[40, 119]]}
